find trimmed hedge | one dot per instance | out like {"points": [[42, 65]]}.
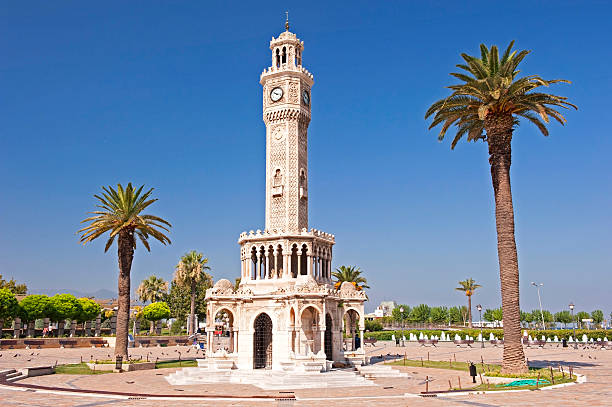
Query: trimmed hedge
{"points": [[499, 333]]}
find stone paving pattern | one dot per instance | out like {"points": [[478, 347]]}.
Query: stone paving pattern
{"points": [[595, 363]]}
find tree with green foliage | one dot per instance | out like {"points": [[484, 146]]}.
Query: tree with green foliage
{"points": [[563, 317], [120, 213], [439, 315], [373, 326], [487, 105], [580, 316], [179, 301], [498, 314], [89, 310], [152, 289], [156, 311], [597, 316], [420, 313], [468, 287], [11, 285], [65, 306], [9, 307], [190, 270], [35, 307], [454, 315], [398, 316], [352, 274]]}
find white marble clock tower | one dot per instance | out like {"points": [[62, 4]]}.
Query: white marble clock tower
{"points": [[286, 313]]}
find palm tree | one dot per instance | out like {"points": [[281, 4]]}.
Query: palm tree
{"points": [[486, 106], [153, 289], [468, 286], [120, 213], [352, 274], [189, 272]]}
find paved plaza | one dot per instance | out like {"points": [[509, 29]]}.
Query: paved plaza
{"points": [[596, 364]]}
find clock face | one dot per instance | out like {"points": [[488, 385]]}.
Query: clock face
{"points": [[306, 97], [276, 94]]}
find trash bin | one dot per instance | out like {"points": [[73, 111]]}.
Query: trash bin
{"points": [[564, 343], [397, 342]]}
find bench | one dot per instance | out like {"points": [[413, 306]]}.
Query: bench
{"points": [[143, 342], [162, 342], [431, 342], [67, 342], [370, 341], [463, 342], [11, 343], [181, 341], [97, 343], [28, 343], [534, 343], [496, 342]]}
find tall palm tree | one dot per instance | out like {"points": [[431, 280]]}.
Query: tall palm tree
{"points": [[352, 274], [191, 270], [468, 286], [487, 105], [153, 289], [120, 213]]}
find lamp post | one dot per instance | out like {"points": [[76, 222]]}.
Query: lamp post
{"points": [[540, 301], [479, 308], [571, 307], [402, 321]]}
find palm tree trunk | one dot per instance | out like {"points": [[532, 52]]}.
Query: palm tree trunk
{"points": [[151, 325], [192, 323], [469, 311], [125, 253], [499, 137]]}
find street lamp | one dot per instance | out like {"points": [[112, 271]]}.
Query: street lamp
{"points": [[479, 308], [540, 301], [402, 320], [571, 307]]}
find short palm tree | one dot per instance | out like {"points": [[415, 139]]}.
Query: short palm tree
{"points": [[190, 271], [352, 274], [487, 105], [153, 289], [120, 214], [468, 286]]}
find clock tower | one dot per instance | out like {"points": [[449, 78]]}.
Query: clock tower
{"points": [[286, 314], [286, 113]]}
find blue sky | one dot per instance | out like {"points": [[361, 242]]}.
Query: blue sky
{"points": [[167, 94]]}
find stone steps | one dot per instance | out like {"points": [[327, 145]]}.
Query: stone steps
{"points": [[270, 380], [378, 371]]}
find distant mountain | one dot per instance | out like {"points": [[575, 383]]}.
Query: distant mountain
{"points": [[101, 293]]}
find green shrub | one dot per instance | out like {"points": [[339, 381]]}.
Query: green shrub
{"points": [[373, 326], [498, 333]]}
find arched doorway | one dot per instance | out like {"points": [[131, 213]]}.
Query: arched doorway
{"points": [[328, 337], [262, 342]]}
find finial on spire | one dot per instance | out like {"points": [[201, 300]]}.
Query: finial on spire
{"points": [[287, 21]]}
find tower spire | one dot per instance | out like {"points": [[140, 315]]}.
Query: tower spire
{"points": [[287, 21]]}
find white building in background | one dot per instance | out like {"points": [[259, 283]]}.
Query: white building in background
{"points": [[285, 313], [385, 309]]}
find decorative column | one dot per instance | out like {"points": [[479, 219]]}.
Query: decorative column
{"points": [[275, 254], [361, 338], [258, 265], [235, 340], [309, 265], [286, 270], [299, 270], [322, 331]]}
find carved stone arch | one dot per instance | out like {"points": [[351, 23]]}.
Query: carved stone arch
{"points": [[319, 310]]}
